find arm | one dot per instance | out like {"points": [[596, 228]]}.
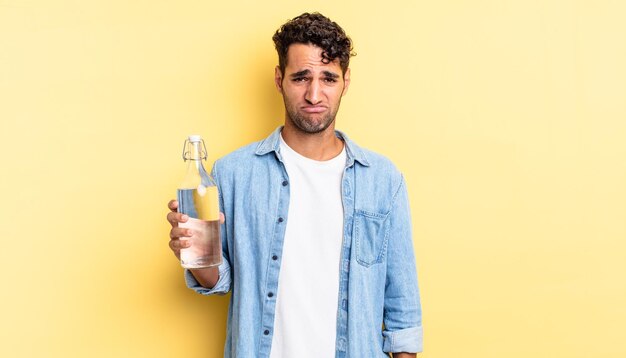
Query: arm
{"points": [[402, 315]]}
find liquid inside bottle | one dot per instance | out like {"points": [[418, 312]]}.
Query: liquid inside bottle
{"points": [[198, 198]]}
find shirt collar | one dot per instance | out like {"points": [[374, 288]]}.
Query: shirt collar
{"points": [[353, 151]]}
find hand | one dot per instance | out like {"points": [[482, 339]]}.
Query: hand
{"points": [[206, 277], [176, 233]]}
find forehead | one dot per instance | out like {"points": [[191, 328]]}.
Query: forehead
{"points": [[306, 56]]}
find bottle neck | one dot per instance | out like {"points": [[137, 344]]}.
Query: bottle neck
{"points": [[196, 174], [195, 151], [195, 156]]}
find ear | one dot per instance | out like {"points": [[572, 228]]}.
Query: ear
{"points": [[278, 79], [346, 82]]}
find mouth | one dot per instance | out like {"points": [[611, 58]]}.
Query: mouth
{"points": [[313, 109]]}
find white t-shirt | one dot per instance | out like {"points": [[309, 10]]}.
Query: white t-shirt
{"points": [[308, 283]]}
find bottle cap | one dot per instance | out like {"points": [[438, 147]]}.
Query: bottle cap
{"points": [[195, 138]]}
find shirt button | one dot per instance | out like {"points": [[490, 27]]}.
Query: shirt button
{"points": [[285, 183], [266, 332], [280, 220], [270, 295], [274, 257]]}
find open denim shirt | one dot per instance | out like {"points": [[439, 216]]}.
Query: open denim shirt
{"points": [[378, 279]]}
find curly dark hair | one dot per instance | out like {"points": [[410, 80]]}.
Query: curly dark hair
{"points": [[318, 30]]}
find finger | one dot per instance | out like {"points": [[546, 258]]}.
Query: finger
{"points": [[177, 233], [174, 218], [222, 218], [173, 205], [177, 245]]}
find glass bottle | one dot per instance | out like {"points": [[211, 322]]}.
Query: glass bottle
{"points": [[198, 198]]}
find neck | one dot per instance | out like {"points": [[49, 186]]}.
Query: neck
{"points": [[318, 146]]}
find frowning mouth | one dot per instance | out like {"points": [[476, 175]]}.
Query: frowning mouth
{"points": [[314, 109]]}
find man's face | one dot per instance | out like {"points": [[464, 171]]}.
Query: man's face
{"points": [[311, 89]]}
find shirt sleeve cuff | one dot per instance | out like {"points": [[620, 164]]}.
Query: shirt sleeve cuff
{"points": [[221, 287], [407, 340]]}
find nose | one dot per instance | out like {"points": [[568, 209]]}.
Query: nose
{"points": [[313, 93]]}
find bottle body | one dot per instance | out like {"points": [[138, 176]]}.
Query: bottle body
{"points": [[198, 198]]}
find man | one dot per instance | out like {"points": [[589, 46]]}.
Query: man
{"points": [[316, 237]]}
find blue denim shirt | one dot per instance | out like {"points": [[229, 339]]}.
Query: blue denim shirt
{"points": [[378, 279]]}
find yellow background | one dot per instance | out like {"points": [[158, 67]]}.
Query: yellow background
{"points": [[507, 117]]}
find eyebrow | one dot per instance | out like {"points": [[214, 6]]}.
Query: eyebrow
{"points": [[300, 73], [307, 72], [330, 74]]}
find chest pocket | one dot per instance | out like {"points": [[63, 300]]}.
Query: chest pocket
{"points": [[371, 232]]}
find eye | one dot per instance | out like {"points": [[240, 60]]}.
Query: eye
{"points": [[299, 79], [330, 80]]}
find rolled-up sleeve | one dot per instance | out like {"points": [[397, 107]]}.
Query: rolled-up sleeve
{"points": [[221, 287], [402, 309], [405, 340]]}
